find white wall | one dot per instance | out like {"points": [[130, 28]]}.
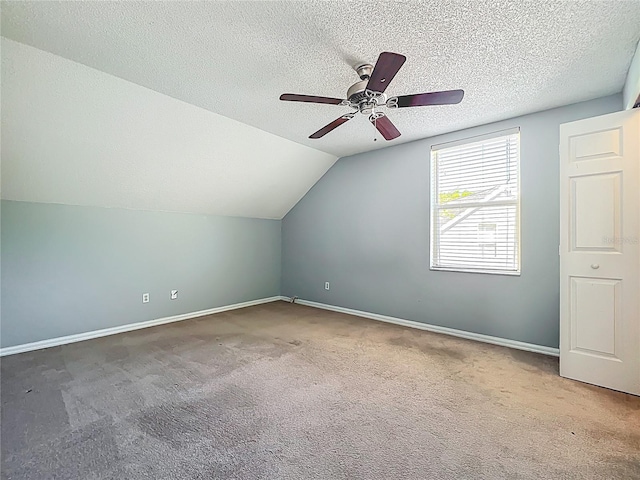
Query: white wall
{"points": [[631, 91], [78, 136]]}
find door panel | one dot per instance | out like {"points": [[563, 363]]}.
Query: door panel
{"points": [[600, 251], [595, 313], [605, 144], [595, 212]]}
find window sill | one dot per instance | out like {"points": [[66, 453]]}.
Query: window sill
{"points": [[486, 272]]}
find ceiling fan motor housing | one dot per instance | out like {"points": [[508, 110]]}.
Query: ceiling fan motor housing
{"points": [[356, 92], [364, 100]]}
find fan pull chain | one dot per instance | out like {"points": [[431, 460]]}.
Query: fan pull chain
{"points": [[375, 119]]}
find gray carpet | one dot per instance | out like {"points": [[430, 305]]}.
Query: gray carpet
{"points": [[282, 391]]}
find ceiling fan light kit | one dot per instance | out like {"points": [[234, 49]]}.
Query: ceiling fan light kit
{"points": [[367, 97]]}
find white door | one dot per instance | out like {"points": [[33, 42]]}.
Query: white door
{"points": [[600, 251]]}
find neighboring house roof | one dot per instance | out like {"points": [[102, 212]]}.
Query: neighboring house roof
{"points": [[483, 196]]}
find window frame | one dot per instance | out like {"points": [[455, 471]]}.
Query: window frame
{"points": [[434, 206]]}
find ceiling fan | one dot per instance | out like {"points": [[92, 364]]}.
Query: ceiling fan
{"points": [[367, 96]]}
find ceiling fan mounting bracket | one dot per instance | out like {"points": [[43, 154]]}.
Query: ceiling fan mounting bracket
{"points": [[364, 71]]}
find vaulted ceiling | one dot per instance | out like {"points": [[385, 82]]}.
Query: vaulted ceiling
{"points": [[236, 58], [78, 136]]}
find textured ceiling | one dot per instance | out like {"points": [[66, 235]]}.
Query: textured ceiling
{"points": [[236, 58]]}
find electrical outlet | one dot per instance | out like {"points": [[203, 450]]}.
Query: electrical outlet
{"points": [[145, 298], [326, 285], [174, 294]]}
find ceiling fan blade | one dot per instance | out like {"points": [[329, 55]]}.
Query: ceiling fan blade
{"points": [[333, 125], [449, 97], [385, 127], [292, 97], [386, 68]]}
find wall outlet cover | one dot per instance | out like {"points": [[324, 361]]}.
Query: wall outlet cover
{"points": [[174, 294], [326, 285], [145, 298]]}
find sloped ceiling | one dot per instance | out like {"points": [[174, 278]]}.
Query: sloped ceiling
{"points": [[236, 58], [174, 105], [78, 136]]}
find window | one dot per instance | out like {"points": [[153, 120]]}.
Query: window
{"points": [[475, 205]]}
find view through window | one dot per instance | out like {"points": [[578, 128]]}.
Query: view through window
{"points": [[475, 224]]}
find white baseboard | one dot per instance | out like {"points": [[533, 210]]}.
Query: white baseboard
{"points": [[504, 342], [54, 342]]}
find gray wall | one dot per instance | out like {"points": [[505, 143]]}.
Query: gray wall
{"points": [[364, 227], [68, 269]]}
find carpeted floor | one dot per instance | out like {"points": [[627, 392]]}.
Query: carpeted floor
{"points": [[282, 391]]}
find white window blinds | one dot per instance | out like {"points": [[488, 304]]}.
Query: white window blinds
{"points": [[475, 204]]}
